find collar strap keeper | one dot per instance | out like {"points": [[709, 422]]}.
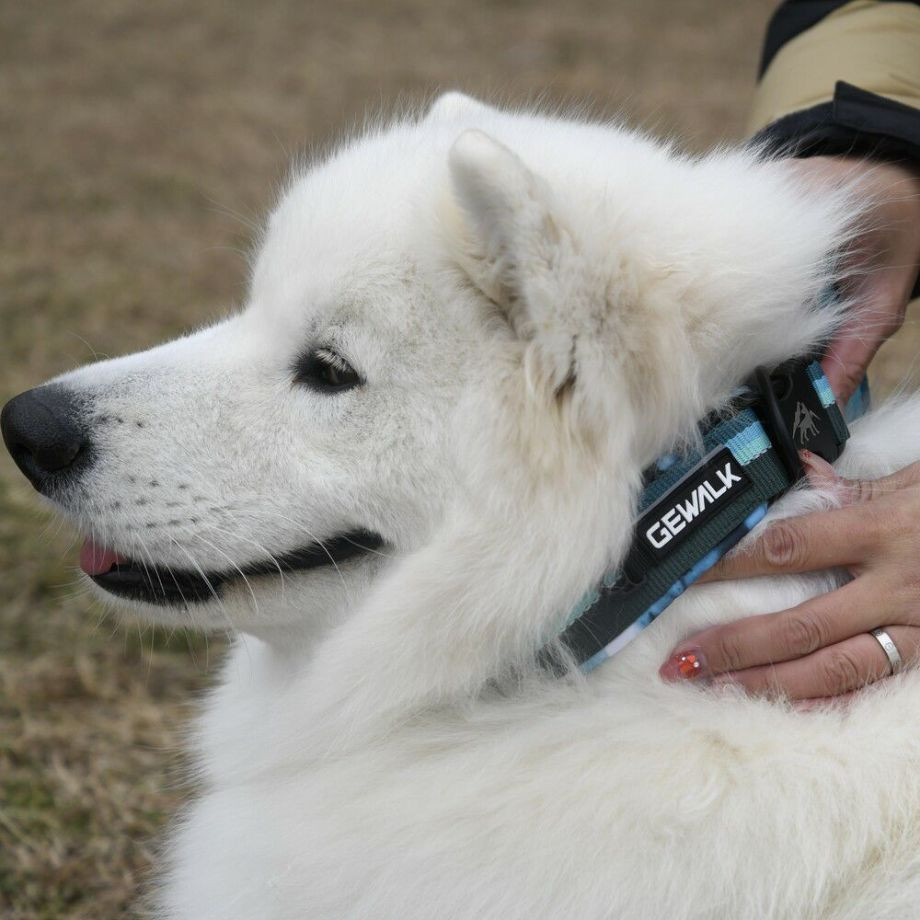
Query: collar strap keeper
{"points": [[783, 401], [694, 508], [771, 417]]}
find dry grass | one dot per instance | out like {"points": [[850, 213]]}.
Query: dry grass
{"points": [[132, 134]]}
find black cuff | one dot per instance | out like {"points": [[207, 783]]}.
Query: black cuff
{"points": [[855, 123]]}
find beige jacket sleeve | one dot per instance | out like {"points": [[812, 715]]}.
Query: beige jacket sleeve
{"points": [[874, 46]]}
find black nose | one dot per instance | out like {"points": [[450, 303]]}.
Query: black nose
{"points": [[43, 432]]}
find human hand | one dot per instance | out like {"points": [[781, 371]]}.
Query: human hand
{"points": [[882, 263], [822, 647]]}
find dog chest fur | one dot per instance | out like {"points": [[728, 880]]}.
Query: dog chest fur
{"points": [[621, 797]]}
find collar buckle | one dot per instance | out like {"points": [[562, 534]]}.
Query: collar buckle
{"points": [[789, 408]]}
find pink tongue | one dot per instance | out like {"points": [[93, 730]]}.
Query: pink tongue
{"points": [[97, 560]]}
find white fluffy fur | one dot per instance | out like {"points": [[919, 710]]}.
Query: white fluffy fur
{"points": [[539, 306]]}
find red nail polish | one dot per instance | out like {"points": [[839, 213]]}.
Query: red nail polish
{"points": [[688, 664]]}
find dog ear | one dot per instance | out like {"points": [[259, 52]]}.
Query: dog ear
{"points": [[510, 235], [516, 250]]}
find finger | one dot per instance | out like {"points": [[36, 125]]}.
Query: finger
{"points": [[847, 357], [820, 474], [855, 491], [882, 303], [830, 672], [770, 638], [820, 540]]}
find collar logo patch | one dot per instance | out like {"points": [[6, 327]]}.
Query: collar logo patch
{"points": [[805, 424], [685, 507]]}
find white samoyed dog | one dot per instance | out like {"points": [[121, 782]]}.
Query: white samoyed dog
{"points": [[395, 472]]}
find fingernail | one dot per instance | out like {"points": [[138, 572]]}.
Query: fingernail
{"points": [[687, 664]]}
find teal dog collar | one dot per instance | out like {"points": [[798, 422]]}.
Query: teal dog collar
{"points": [[694, 508]]}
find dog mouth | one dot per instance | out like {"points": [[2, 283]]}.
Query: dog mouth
{"points": [[168, 586]]}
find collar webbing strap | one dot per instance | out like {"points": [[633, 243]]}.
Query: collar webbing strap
{"points": [[694, 508]]}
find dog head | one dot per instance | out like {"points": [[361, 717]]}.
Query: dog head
{"points": [[476, 321]]}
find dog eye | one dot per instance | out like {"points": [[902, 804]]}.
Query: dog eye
{"points": [[325, 371]]}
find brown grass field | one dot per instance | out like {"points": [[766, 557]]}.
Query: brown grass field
{"points": [[138, 144]]}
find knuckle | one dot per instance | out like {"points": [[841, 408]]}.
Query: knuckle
{"points": [[900, 521], [906, 592], [840, 671], [903, 595], [861, 490], [783, 545], [728, 652], [802, 633]]}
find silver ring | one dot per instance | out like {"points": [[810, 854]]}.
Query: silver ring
{"points": [[889, 648]]}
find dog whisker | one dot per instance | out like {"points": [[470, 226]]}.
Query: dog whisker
{"points": [[213, 591], [208, 583]]}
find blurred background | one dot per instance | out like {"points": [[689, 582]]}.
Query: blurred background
{"points": [[140, 145]]}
